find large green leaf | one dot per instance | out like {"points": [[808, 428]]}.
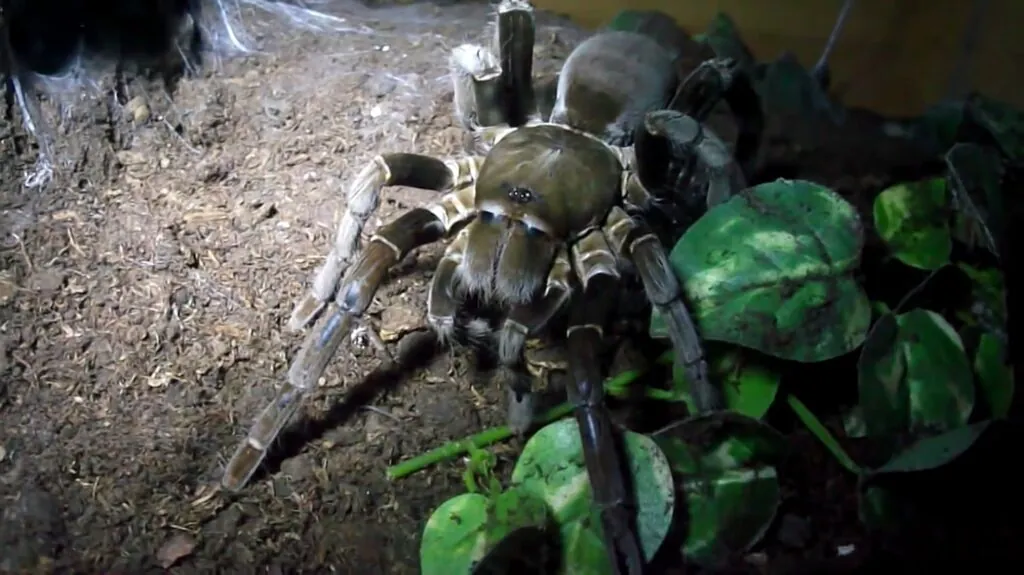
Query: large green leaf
{"points": [[750, 388], [552, 467], [787, 88], [462, 533], [914, 376], [935, 451], [912, 219], [772, 269], [725, 465]]}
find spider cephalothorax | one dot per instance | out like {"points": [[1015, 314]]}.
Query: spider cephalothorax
{"points": [[543, 217]]}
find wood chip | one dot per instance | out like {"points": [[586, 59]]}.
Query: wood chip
{"points": [[175, 549]]}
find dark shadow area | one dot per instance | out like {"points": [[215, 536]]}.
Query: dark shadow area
{"points": [[415, 351], [49, 37], [536, 551]]}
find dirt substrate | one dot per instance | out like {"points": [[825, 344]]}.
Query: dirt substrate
{"points": [[144, 295]]}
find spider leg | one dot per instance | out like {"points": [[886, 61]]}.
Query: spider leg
{"points": [[713, 81], [633, 240], [442, 303], [672, 148], [414, 228], [494, 94], [514, 36], [476, 78], [595, 266], [523, 321], [413, 170]]}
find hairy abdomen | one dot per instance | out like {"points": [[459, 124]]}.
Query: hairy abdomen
{"points": [[610, 81]]}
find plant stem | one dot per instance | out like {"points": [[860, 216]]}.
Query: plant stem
{"points": [[822, 433], [615, 386], [453, 449]]}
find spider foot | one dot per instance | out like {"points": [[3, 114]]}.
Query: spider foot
{"points": [[306, 312], [476, 78], [676, 153], [520, 398]]}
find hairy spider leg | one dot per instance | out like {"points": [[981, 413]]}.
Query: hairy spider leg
{"points": [[596, 268], [515, 35], [635, 242], [414, 228], [363, 198], [476, 79], [720, 79], [494, 93], [672, 148], [442, 300]]}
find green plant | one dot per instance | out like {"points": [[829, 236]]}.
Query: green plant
{"points": [[930, 385]]}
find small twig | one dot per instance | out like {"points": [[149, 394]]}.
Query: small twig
{"points": [[24, 253], [382, 412], [74, 244], [830, 44], [376, 342], [188, 146]]}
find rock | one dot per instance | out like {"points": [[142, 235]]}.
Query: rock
{"points": [[179, 546], [399, 319]]}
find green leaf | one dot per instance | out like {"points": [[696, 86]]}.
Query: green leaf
{"points": [[974, 176], [786, 87], [995, 374], [724, 463], [750, 389], [912, 220], [987, 306], [1003, 121], [464, 530], [936, 451], [725, 40], [772, 270], [913, 375], [552, 467]]}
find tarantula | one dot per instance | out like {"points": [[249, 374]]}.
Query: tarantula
{"points": [[544, 216]]}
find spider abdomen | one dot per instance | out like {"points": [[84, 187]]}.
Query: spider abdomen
{"points": [[610, 81]]}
